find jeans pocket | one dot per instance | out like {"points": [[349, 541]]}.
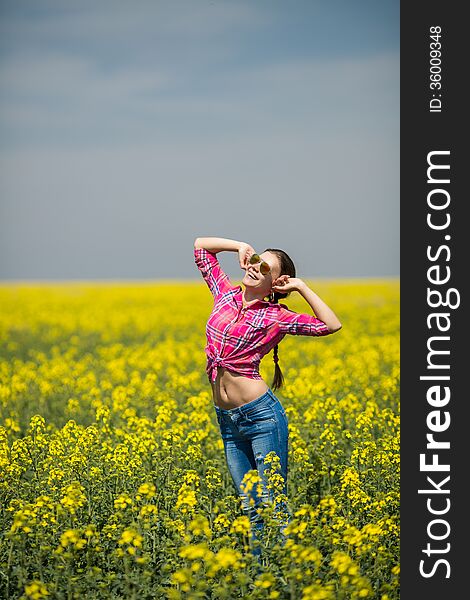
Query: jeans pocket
{"points": [[262, 414], [279, 409]]}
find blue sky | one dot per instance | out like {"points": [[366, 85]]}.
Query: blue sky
{"points": [[129, 128]]}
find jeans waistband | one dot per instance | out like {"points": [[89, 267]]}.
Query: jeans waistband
{"points": [[244, 408]]}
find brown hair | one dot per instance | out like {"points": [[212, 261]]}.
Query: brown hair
{"points": [[287, 268]]}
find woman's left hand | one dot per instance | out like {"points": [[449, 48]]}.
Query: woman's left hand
{"points": [[284, 283]]}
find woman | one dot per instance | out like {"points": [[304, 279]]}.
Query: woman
{"points": [[241, 329]]}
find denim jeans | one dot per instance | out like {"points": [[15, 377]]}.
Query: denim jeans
{"points": [[249, 432]]}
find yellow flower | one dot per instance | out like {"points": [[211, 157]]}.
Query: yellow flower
{"points": [[317, 592], [196, 551], [147, 490], [228, 558], [74, 497], [221, 522], [191, 477], [265, 581], [148, 510], [200, 526], [123, 501], [241, 525], [182, 578], [341, 562], [71, 539], [186, 499], [35, 590]]}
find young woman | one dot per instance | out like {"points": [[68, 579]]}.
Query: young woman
{"points": [[241, 329]]}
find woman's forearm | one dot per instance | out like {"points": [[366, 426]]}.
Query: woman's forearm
{"points": [[216, 244], [320, 308]]}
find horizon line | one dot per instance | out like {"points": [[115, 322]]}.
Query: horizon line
{"points": [[175, 280]]}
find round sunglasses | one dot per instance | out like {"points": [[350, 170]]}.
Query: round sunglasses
{"points": [[264, 267]]}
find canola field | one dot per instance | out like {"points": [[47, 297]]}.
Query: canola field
{"points": [[113, 480]]}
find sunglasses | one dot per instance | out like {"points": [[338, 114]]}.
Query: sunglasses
{"points": [[264, 267]]}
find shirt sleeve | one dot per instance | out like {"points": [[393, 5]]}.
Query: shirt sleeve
{"points": [[207, 262], [300, 323]]}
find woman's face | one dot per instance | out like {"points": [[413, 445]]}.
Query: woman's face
{"points": [[255, 280]]}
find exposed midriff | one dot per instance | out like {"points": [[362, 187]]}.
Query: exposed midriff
{"points": [[231, 390]]}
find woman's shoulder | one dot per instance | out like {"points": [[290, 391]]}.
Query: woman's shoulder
{"points": [[272, 310]]}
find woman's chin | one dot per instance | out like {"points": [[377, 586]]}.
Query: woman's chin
{"points": [[249, 282]]}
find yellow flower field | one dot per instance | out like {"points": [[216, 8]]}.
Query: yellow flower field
{"points": [[113, 481]]}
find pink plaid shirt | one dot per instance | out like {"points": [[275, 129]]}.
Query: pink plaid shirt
{"points": [[237, 337]]}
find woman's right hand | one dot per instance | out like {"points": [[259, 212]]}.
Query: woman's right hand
{"points": [[244, 253]]}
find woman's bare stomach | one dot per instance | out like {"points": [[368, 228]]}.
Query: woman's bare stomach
{"points": [[230, 390]]}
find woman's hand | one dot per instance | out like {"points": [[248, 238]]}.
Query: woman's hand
{"points": [[244, 253], [284, 283]]}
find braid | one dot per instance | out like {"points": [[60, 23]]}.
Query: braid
{"points": [[287, 267], [278, 379], [275, 354]]}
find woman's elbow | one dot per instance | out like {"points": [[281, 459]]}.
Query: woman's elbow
{"points": [[334, 327], [196, 243]]}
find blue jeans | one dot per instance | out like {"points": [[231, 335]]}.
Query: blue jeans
{"points": [[249, 433]]}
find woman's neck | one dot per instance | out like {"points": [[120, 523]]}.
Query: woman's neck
{"points": [[248, 298]]}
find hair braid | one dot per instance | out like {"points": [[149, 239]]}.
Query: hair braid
{"points": [[278, 379], [287, 268]]}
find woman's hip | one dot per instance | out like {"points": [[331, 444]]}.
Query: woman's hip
{"points": [[259, 416]]}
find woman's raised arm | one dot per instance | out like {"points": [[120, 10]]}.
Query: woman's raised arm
{"points": [[320, 308], [218, 244]]}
